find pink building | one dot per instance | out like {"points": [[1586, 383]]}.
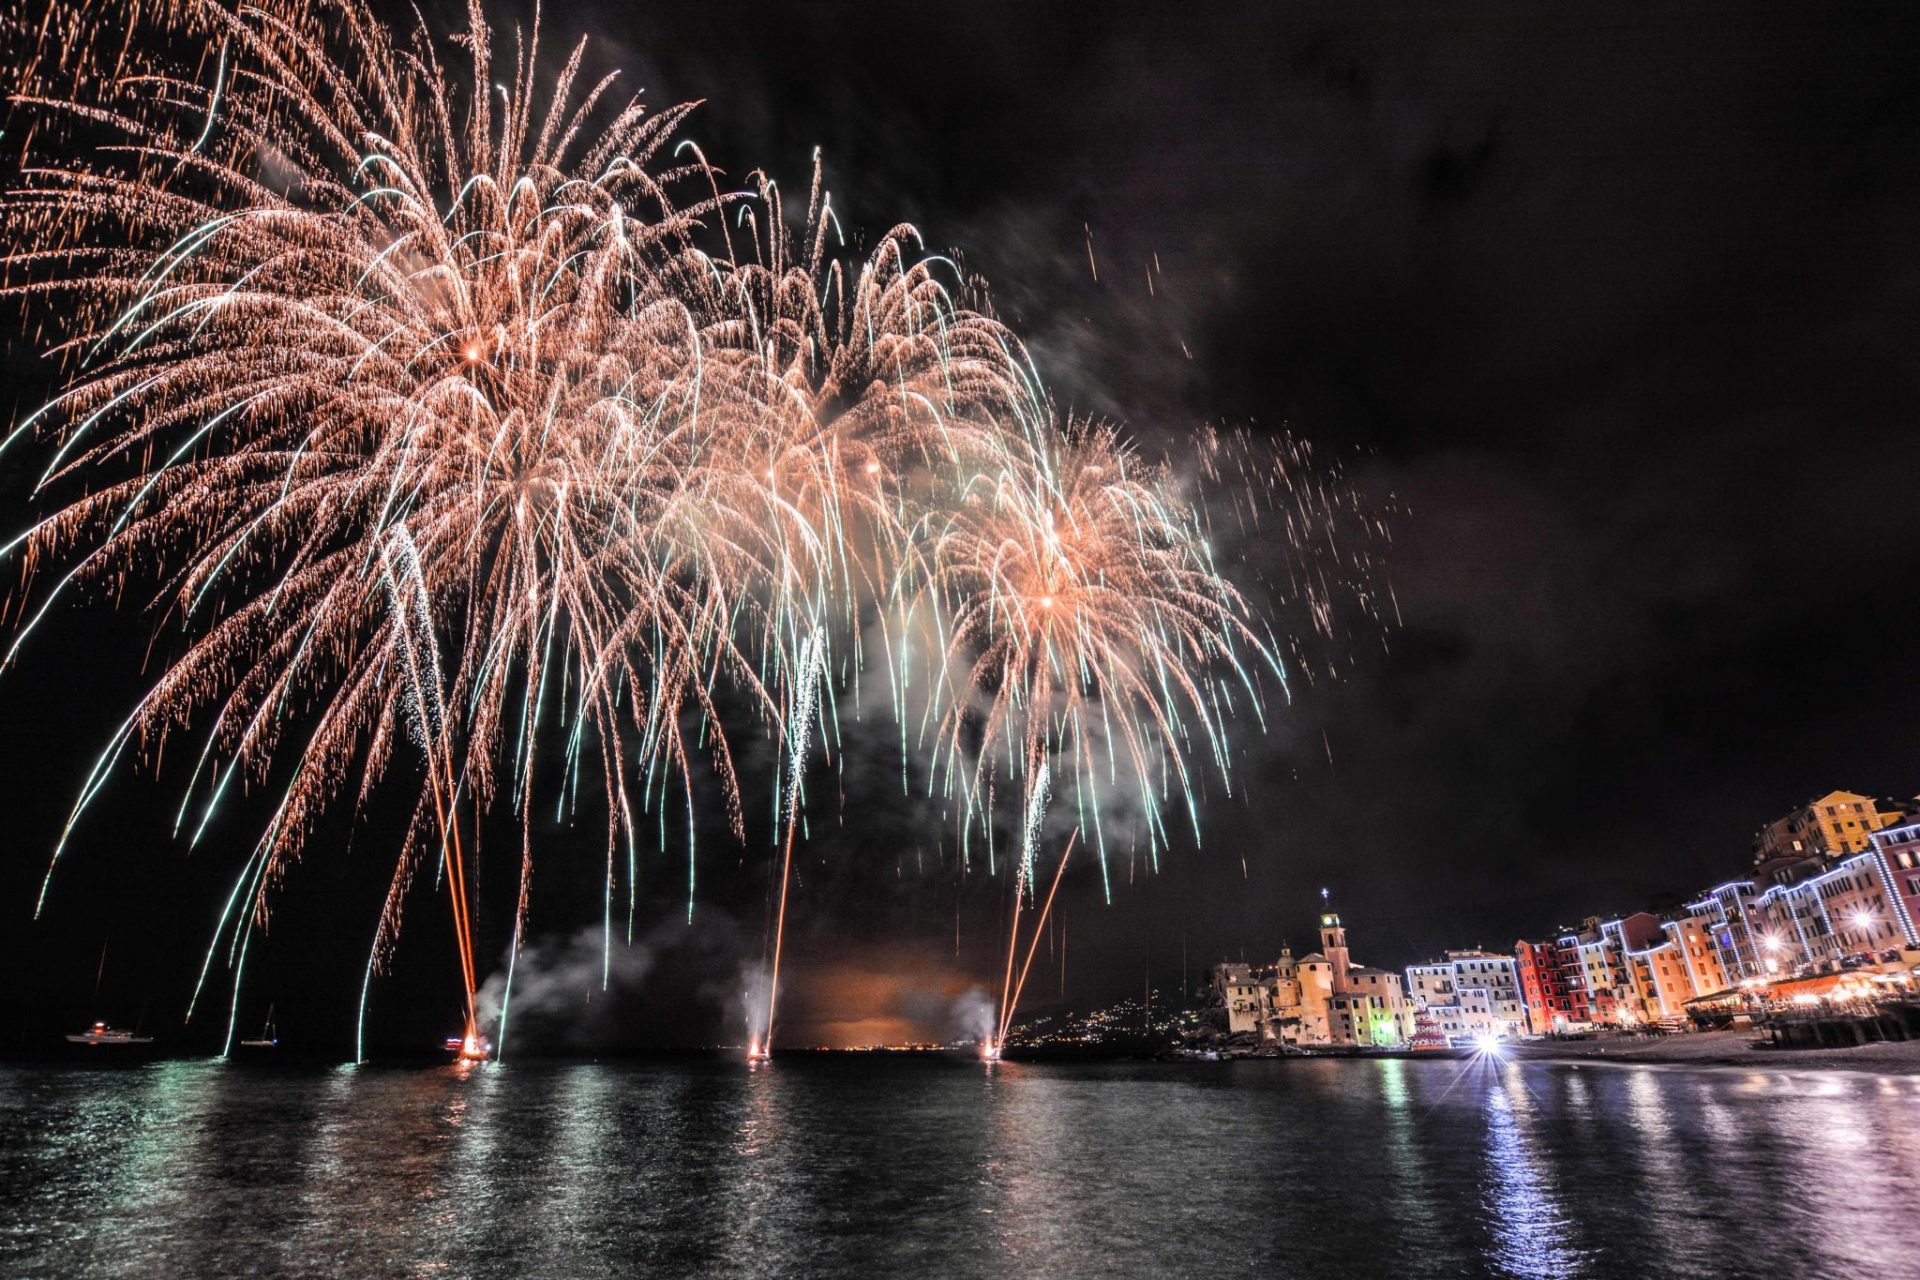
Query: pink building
{"points": [[1898, 850]]}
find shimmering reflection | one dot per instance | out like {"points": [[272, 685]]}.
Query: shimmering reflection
{"points": [[1418, 1214], [759, 1173], [1670, 1151], [870, 1166], [1530, 1229]]}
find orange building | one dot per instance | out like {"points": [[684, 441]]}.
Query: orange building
{"points": [[1693, 944]]}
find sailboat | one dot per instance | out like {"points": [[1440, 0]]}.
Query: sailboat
{"points": [[100, 1035], [267, 1039]]}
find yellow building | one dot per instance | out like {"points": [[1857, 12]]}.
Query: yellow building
{"points": [[1325, 999], [1837, 824]]}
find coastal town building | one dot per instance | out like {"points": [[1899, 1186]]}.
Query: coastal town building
{"points": [[1597, 969], [1855, 907], [1244, 996], [1835, 825], [1320, 1000], [1325, 999], [1628, 971], [1552, 1008], [1600, 968], [1430, 986], [1602, 971], [1470, 994], [1834, 898], [1567, 958], [1436, 1005], [1728, 914], [1899, 848], [1621, 939], [1660, 985], [1699, 958]]}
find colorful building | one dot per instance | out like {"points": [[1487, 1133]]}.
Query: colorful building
{"points": [[1662, 982], [1470, 994], [1858, 906], [1728, 914], [1588, 970], [1551, 1006], [1898, 845], [1325, 999], [1836, 888], [1603, 970], [1320, 1000], [1835, 825]]}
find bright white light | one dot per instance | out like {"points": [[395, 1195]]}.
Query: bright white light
{"points": [[1489, 1044]]}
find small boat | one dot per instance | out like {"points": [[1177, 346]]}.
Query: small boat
{"points": [[472, 1048], [102, 1034], [267, 1039]]}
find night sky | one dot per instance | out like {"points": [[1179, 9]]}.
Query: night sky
{"points": [[1618, 303]]}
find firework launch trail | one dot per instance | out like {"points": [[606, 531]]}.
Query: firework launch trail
{"points": [[430, 397]]}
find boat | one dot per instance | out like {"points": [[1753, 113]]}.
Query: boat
{"points": [[102, 1034], [267, 1039], [471, 1048]]}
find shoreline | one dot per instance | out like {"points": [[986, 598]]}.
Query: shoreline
{"points": [[1718, 1049], [1722, 1049]]}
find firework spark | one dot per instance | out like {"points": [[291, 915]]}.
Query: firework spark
{"points": [[428, 415]]}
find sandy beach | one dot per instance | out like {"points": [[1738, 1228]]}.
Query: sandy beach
{"points": [[1724, 1048]]}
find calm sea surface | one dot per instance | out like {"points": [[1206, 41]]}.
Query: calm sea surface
{"points": [[869, 1166]]}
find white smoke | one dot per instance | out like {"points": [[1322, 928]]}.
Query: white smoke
{"points": [[753, 986], [565, 993], [972, 1017]]}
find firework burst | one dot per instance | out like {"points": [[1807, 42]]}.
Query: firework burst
{"points": [[427, 416]]}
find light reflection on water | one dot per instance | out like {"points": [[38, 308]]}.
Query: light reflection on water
{"points": [[885, 1166], [1522, 1204]]}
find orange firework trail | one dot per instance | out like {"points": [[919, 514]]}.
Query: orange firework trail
{"points": [[1009, 989], [431, 410]]}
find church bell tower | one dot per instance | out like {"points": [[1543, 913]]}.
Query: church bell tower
{"points": [[1333, 942]]}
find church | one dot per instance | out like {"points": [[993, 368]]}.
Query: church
{"points": [[1321, 1000]]}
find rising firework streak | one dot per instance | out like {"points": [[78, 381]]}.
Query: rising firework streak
{"points": [[426, 416]]}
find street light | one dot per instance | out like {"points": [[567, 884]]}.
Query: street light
{"points": [[1864, 920]]}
